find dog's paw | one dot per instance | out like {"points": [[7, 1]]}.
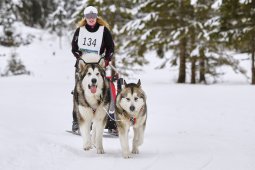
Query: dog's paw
{"points": [[126, 155], [87, 147], [135, 151], [100, 151]]}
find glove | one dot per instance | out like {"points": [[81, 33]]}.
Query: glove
{"points": [[116, 76], [77, 54]]}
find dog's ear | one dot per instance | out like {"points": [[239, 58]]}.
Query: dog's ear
{"points": [[81, 65], [125, 83], [139, 83]]}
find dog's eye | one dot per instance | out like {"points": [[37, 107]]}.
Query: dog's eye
{"points": [[89, 74], [97, 74], [128, 99], [136, 98]]}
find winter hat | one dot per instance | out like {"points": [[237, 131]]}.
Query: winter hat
{"points": [[90, 9]]}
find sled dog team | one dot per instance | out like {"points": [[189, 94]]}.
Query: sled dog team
{"points": [[91, 101]]}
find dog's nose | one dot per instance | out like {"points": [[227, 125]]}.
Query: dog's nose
{"points": [[94, 81], [132, 108]]}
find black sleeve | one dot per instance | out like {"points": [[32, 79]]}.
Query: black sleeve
{"points": [[109, 44], [75, 49]]}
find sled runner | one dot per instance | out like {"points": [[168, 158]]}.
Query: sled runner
{"points": [[74, 132], [107, 133]]}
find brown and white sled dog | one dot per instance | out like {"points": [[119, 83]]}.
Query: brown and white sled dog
{"points": [[131, 111], [91, 96]]}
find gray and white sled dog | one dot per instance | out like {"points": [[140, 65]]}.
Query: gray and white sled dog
{"points": [[91, 96], [131, 111]]}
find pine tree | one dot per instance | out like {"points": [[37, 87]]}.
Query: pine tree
{"points": [[161, 26], [57, 21], [74, 12], [34, 13], [248, 33], [144, 30], [238, 28], [15, 66], [201, 39], [7, 20]]}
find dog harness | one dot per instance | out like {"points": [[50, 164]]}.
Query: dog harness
{"points": [[133, 120]]}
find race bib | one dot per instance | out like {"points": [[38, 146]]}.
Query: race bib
{"points": [[90, 42]]}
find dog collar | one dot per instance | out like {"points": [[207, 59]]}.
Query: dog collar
{"points": [[133, 120], [94, 110]]}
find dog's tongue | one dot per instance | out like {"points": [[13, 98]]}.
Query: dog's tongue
{"points": [[93, 89]]}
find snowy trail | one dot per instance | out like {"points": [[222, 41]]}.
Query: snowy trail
{"points": [[189, 127]]}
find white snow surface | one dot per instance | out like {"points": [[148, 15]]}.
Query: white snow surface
{"points": [[190, 127]]}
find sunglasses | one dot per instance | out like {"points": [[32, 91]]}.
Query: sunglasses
{"points": [[91, 16]]}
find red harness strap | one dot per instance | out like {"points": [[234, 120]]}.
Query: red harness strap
{"points": [[112, 86]]}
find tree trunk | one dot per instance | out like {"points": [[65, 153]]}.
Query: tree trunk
{"points": [[253, 66], [253, 76], [193, 70], [182, 57], [202, 66]]}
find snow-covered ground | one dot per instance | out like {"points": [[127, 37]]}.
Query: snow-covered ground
{"points": [[190, 127]]}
